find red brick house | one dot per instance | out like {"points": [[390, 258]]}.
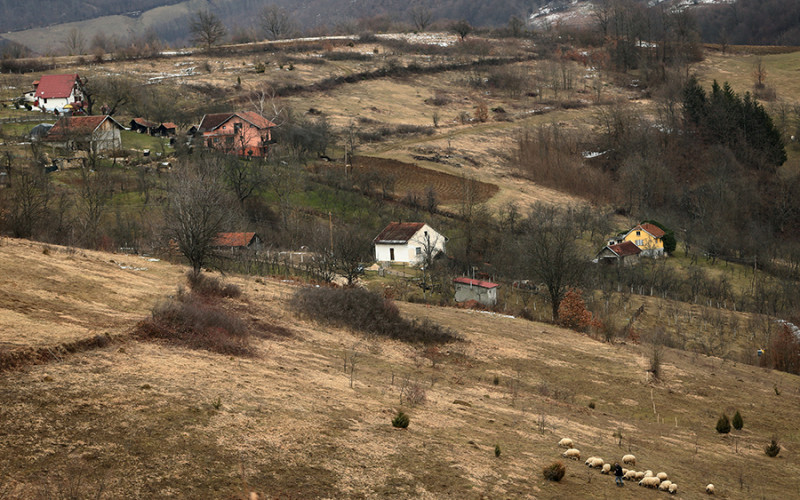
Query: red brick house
{"points": [[244, 133]]}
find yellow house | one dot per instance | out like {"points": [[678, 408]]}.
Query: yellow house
{"points": [[648, 237]]}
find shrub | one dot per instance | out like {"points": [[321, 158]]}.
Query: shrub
{"points": [[723, 424], [572, 312], [193, 321], [773, 448], [368, 312], [208, 286], [497, 450], [401, 420], [554, 471], [738, 423], [592, 405]]}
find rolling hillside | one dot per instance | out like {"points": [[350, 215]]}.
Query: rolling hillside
{"points": [[134, 419]]}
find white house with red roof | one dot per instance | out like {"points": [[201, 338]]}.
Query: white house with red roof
{"points": [[55, 92], [408, 243], [484, 292]]}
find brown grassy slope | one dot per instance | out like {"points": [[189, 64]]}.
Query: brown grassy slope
{"points": [[50, 295], [140, 419]]}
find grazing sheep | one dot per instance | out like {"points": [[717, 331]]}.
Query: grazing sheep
{"points": [[565, 443], [673, 488], [662, 476], [589, 460], [597, 463], [624, 471], [648, 473], [606, 469], [572, 453], [710, 489], [664, 486], [639, 476], [650, 482], [629, 476], [629, 459]]}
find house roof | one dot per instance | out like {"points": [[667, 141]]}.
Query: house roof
{"points": [[653, 230], [215, 120], [54, 86], [625, 249], [169, 125], [472, 282], [144, 123], [398, 232], [233, 239], [78, 125]]}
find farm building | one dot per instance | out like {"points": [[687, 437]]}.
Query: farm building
{"points": [[166, 129], [244, 133], [55, 92], [483, 292], [237, 242], [408, 242], [625, 253], [142, 126], [95, 133]]}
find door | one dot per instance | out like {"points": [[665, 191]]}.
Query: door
{"points": [[391, 254]]}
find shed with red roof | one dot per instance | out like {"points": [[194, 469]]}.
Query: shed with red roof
{"points": [[237, 241], [484, 292]]}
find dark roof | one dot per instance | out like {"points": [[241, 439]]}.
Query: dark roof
{"points": [[54, 86], [625, 249], [654, 230], [233, 239], [144, 123], [472, 282], [78, 125], [214, 120], [398, 232]]}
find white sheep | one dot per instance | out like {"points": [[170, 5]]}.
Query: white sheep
{"points": [[639, 476], [589, 460], [650, 482], [597, 463], [710, 489], [629, 476], [606, 469], [565, 443], [572, 453], [648, 473], [624, 471], [673, 488], [662, 476], [664, 486], [629, 459]]}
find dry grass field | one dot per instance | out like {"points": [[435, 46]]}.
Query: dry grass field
{"points": [[148, 420]]}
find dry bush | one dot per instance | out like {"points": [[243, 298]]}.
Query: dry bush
{"points": [[197, 320], [207, 286], [367, 312], [554, 471]]}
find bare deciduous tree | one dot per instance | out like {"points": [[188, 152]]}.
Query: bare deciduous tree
{"points": [[199, 208], [275, 22], [421, 15], [75, 42], [206, 28], [461, 28], [26, 201]]}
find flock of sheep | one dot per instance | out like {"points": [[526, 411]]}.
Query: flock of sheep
{"points": [[645, 478]]}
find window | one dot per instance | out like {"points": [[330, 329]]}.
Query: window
{"points": [[638, 233], [639, 243], [237, 127], [419, 251]]}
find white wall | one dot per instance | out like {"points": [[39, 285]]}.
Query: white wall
{"points": [[407, 253]]}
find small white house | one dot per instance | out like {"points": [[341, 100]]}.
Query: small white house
{"points": [[54, 92], [483, 292], [408, 242]]}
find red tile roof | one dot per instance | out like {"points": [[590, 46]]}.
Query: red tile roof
{"points": [[54, 86], [480, 283], [233, 239], [625, 249], [78, 125], [214, 120], [653, 230], [144, 123], [169, 125], [398, 232]]}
